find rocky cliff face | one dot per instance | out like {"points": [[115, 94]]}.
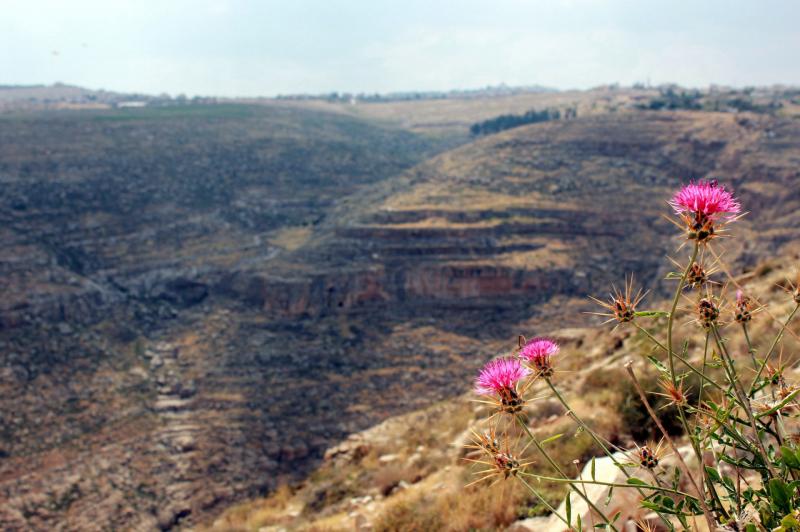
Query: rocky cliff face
{"points": [[197, 305]]}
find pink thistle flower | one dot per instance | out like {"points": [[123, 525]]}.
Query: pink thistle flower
{"points": [[499, 378], [537, 353], [700, 204], [538, 348], [706, 198], [499, 374]]}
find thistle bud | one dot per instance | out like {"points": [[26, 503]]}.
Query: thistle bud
{"points": [[648, 456], [744, 308], [673, 392], [506, 464], [696, 277], [621, 305], [707, 312]]}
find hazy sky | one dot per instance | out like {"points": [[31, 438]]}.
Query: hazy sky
{"points": [[266, 47]]}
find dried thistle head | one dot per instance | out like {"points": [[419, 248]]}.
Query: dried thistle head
{"points": [[648, 456], [764, 407], [707, 419], [485, 441], [784, 391], [707, 312], [696, 277], [621, 305], [645, 526], [793, 288], [506, 465], [748, 516], [673, 391], [499, 463], [775, 375]]}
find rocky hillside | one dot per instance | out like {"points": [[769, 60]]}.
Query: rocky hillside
{"points": [[123, 370], [412, 471], [199, 301]]}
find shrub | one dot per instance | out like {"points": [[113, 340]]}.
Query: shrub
{"points": [[738, 420]]}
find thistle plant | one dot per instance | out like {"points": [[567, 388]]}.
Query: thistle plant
{"points": [[736, 465]]}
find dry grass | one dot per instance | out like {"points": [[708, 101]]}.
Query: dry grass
{"points": [[479, 508], [446, 197], [245, 518], [290, 238]]}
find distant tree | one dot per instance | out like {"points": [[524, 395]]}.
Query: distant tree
{"points": [[503, 122]]}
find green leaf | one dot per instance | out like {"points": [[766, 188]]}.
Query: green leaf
{"points": [[728, 483], [780, 405], [676, 478], [659, 366], [550, 439], [608, 497], [713, 475], [636, 482], [568, 504], [789, 458], [780, 495], [790, 522], [651, 314], [593, 477], [651, 505]]}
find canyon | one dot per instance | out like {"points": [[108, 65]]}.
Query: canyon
{"points": [[199, 301]]}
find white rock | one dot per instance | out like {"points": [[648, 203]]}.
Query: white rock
{"points": [[623, 500]]}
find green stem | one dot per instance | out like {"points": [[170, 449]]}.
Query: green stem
{"points": [[771, 349], [686, 471], [544, 501], [726, 357], [558, 469], [685, 362], [703, 371], [672, 313], [695, 445], [612, 484], [750, 346], [597, 440], [711, 487], [584, 426]]}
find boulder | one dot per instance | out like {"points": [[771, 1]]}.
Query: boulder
{"points": [[623, 500]]}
